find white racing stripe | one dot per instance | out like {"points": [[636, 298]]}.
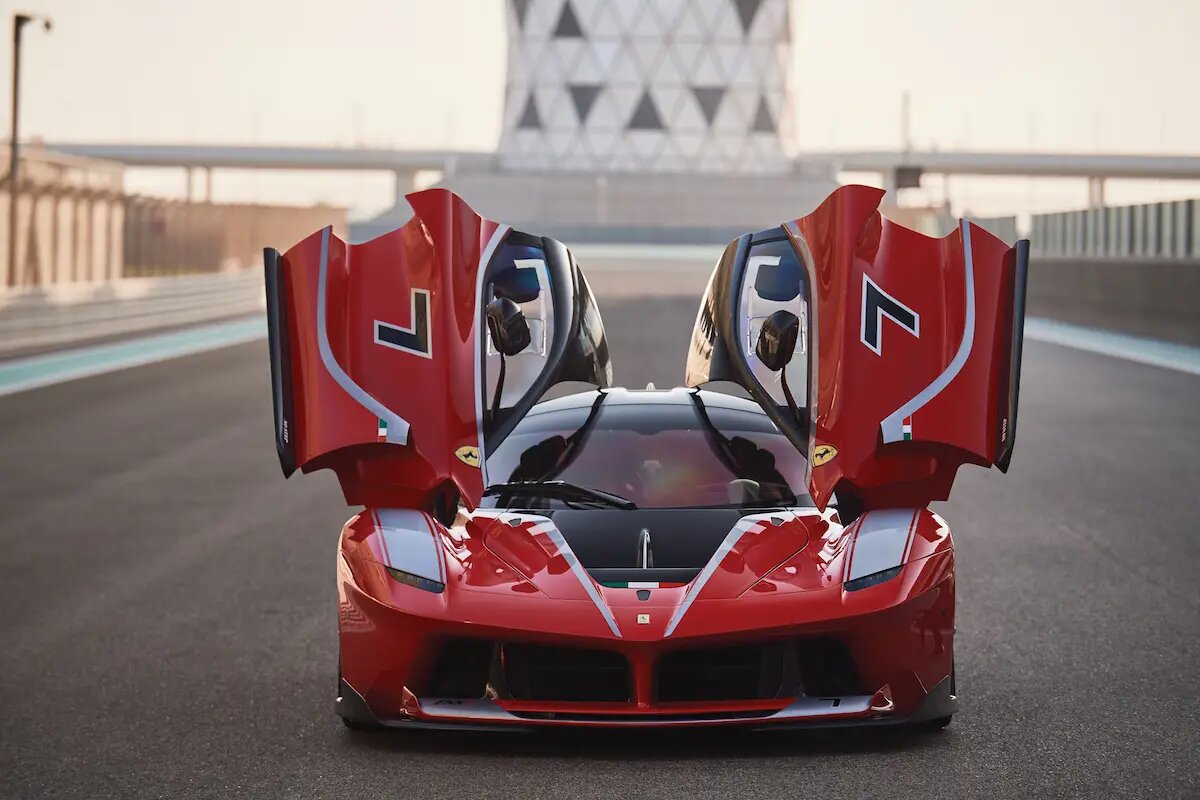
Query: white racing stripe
{"points": [[892, 426], [550, 529], [545, 526], [880, 541], [397, 426], [480, 269], [744, 525], [409, 544]]}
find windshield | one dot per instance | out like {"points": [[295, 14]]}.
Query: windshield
{"points": [[657, 455]]}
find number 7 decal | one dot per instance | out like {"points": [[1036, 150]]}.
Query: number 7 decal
{"points": [[877, 304], [416, 339]]}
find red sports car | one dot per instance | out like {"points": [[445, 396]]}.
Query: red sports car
{"points": [[613, 557]]}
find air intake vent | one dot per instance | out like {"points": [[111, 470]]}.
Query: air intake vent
{"points": [[540, 672], [748, 672], [827, 668], [781, 669], [462, 668]]}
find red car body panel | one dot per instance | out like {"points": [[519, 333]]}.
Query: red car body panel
{"points": [[893, 446], [423, 397], [932, 326]]}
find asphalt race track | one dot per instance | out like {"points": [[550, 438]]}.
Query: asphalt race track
{"points": [[169, 616]]}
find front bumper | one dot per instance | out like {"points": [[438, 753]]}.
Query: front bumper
{"points": [[899, 636], [802, 713]]}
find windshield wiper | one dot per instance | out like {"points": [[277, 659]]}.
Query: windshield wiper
{"points": [[561, 489]]}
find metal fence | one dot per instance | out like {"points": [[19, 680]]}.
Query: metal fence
{"points": [[1001, 227], [1155, 230], [35, 319], [77, 225]]}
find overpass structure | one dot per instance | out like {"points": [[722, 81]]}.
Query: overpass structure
{"points": [[899, 168], [404, 164], [1046, 165], [902, 169]]}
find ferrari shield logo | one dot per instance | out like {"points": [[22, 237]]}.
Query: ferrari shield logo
{"points": [[643, 619], [823, 454], [468, 455]]}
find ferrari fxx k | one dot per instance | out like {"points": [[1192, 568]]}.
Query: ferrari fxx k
{"points": [[762, 557]]}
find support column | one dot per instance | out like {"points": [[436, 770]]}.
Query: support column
{"points": [[208, 184], [891, 183], [94, 265], [60, 271], [1095, 192], [136, 225], [406, 182], [114, 254]]}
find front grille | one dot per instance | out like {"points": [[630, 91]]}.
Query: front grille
{"points": [[745, 672], [827, 669], [780, 669], [474, 668], [541, 672], [462, 668]]}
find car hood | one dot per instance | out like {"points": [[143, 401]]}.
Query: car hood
{"points": [[750, 548]]}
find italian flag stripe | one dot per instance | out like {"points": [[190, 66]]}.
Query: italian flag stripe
{"points": [[382, 430], [907, 428], [641, 585]]}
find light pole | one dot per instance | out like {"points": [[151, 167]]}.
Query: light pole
{"points": [[14, 164]]}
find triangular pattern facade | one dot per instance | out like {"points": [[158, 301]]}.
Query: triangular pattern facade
{"points": [[747, 10], [709, 98], [568, 24], [520, 12], [583, 96], [530, 118], [645, 116], [763, 121], [634, 85]]}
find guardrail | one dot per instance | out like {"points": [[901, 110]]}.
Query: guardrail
{"points": [[1001, 227], [1156, 298], [1154, 230], [44, 318]]}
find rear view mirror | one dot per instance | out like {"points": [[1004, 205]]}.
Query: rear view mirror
{"points": [[777, 340], [507, 326]]}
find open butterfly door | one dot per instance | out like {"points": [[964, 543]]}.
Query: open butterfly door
{"points": [[907, 354], [383, 368]]}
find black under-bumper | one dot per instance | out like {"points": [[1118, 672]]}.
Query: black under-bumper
{"points": [[941, 702]]}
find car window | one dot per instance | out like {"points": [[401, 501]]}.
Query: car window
{"points": [[658, 455]]}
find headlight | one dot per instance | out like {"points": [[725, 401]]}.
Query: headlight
{"points": [[415, 581], [873, 579]]}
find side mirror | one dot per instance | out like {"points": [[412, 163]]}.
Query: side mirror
{"points": [[777, 340], [507, 326]]}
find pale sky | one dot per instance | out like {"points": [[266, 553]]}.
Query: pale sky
{"points": [[1068, 75]]}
